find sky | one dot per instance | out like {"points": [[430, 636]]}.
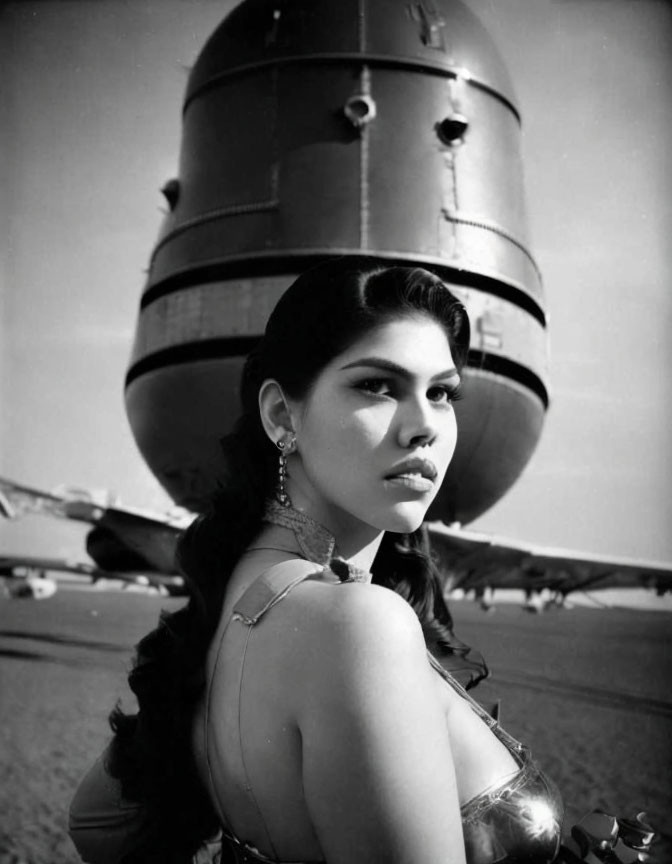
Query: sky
{"points": [[91, 93]]}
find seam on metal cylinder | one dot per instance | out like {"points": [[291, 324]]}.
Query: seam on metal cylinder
{"points": [[240, 346], [213, 216], [192, 352], [275, 145], [495, 229], [377, 60], [511, 369], [269, 263], [364, 203]]}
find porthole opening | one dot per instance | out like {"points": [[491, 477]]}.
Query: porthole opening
{"points": [[452, 129], [360, 110]]}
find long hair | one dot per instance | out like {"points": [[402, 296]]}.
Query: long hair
{"points": [[326, 310]]}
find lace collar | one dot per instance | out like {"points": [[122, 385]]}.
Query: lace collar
{"points": [[317, 543]]}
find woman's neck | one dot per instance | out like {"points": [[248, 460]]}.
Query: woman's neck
{"points": [[357, 541], [295, 531], [360, 553]]}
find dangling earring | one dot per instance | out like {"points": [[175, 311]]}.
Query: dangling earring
{"points": [[285, 446]]}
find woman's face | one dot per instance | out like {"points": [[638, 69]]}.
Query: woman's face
{"points": [[377, 430]]}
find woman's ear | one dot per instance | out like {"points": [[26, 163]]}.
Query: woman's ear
{"points": [[274, 410]]}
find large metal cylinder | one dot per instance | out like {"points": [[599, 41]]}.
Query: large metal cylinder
{"points": [[341, 127]]}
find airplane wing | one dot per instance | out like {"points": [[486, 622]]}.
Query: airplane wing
{"points": [[470, 560], [23, 567], [135, 542], [122, 539]]}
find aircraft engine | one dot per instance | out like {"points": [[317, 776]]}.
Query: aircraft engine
{"points": [[343, 127]]}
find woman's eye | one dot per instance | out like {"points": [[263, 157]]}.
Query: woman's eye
{"points": [[442, 394], [376, 386]]}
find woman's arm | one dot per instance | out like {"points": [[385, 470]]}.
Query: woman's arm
{"points": [[102, 825], [377, 767]]}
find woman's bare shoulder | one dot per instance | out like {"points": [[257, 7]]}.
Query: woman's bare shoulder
{"points": [[375, 748], [358, 606], [359, 626]]}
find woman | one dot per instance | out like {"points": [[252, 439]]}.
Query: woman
{"points": [[293, 703]]}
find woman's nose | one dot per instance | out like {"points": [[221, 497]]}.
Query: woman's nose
{"points": [[418, 426]]}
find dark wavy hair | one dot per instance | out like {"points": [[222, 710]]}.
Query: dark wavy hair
{"points": [[325, 311]]}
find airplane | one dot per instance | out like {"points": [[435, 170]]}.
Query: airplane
{"points": [[25, 576], [127, 545], [474, 561], [122, 539]]}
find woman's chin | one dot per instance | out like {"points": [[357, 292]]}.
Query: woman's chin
{"points": [[406, 517]]}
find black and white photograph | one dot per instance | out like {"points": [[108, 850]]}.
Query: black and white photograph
{"points": [[335, 431]]}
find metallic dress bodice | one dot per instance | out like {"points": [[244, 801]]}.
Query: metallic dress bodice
{"points": [[519, 819]]}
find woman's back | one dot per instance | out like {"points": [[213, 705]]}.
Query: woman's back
{"points": [[247, 740], [310, 685], [309, 718]]}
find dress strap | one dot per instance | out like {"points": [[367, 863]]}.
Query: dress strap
{"points": [[517, 750], [272, 586], [461, 691]]}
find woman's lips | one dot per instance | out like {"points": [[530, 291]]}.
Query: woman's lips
{"points": [[415, 473], [416, 482]]}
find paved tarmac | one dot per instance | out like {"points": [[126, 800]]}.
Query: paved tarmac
{"points": [[588, 690]]}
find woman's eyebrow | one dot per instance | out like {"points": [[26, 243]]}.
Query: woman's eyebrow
{"points": [[390, 366]]}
